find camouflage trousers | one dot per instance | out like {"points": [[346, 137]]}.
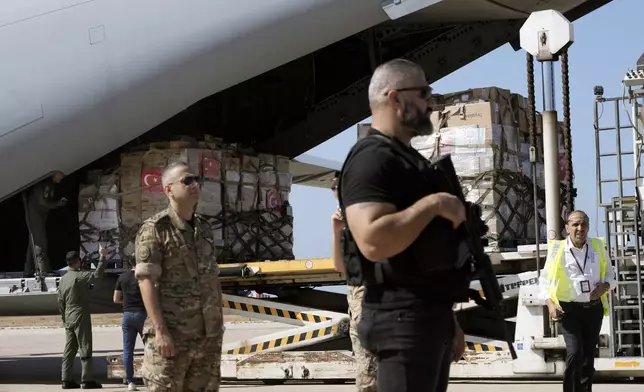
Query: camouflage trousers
{"points": [[196, 367], [365, 361]]}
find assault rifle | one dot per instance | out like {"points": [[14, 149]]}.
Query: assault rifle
{"points": [[470, 232]]}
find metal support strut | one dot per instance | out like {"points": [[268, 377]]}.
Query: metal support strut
{"points": [[567, 136], [532, 124]]}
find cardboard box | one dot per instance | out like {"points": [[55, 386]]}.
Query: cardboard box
{"points": [[511, 108], [484, 94], [470, 139]]}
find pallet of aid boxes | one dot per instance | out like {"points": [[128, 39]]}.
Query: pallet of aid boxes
{"points": [[243, 197], [98, 218], [481, 129], [504, 116]]}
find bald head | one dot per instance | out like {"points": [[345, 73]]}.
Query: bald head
{"points": [[392, 75]]}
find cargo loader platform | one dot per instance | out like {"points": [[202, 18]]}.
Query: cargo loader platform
{"points": [[317, 347]]}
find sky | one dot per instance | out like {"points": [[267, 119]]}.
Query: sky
{"points": [[608, 42]]}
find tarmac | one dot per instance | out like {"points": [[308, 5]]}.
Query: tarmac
{"points": [[30, 361]]}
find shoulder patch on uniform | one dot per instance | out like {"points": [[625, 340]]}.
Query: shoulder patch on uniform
{"points": [[142, 253]]}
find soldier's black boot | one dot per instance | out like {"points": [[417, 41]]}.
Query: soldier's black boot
{"points": [[70, 384], [91, 385]]}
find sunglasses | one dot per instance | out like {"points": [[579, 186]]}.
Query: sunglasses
{"points": [[425, 92], [189, 180], [334, 188]]}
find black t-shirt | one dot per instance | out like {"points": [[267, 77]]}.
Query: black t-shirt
{"points": [[375, 173], [129, 286]]}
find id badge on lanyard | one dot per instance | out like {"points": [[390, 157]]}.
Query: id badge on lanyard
{"points": [[585, 284]]}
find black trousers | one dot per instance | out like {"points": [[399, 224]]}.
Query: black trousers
{"points": [[581, 324], [413, 347]]}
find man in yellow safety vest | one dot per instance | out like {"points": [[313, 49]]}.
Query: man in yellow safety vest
{"points": [[575, 283]]}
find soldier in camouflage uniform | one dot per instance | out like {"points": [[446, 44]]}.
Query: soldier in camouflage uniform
{"points": [[73, 304], [178, 277], [365, 361]]}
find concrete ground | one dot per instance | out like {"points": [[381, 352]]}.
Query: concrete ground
{"points": [[30, 361]]}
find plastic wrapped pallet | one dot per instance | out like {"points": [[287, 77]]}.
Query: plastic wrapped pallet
{"points": [[244, 198], [487, 161], [491, 105], [98, 216], [257, 219]]}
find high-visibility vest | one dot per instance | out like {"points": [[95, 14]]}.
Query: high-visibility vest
{"points": [[559, 285]]}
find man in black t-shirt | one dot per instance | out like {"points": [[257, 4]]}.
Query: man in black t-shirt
{"points": [[127, 292], [409, 326]]}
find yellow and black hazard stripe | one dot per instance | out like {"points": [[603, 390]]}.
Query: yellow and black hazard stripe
{"points": [[265, 310], [285, 341], [481, 347]]}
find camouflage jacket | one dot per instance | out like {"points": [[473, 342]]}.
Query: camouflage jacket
{"points": [[182, 261]]}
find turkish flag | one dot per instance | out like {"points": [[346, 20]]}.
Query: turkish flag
{"points": [[273, 199], [211, 168], [151, 180]]}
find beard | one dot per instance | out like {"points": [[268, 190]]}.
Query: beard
{"points": [[417, 121]]}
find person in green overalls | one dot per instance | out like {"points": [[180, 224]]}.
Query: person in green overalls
{"points": [[39, 201], [73, 303]]}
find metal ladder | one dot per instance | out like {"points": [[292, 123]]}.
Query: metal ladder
{"points": [[622, 224]]}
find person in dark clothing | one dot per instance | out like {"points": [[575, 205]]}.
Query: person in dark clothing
{"points": [[40, 200], [127, 292], [407, 316], [73, 304]]}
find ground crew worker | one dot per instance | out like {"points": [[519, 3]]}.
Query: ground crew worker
{"points": [[184, 330], [73, 304], [41, 199], [127, 292], [401, 235], [366, 366], [574, 285]]}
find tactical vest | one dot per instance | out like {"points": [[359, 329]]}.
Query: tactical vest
{"points": [[433, 256]]}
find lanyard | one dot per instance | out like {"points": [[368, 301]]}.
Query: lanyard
{"points": [[585, 260]]}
